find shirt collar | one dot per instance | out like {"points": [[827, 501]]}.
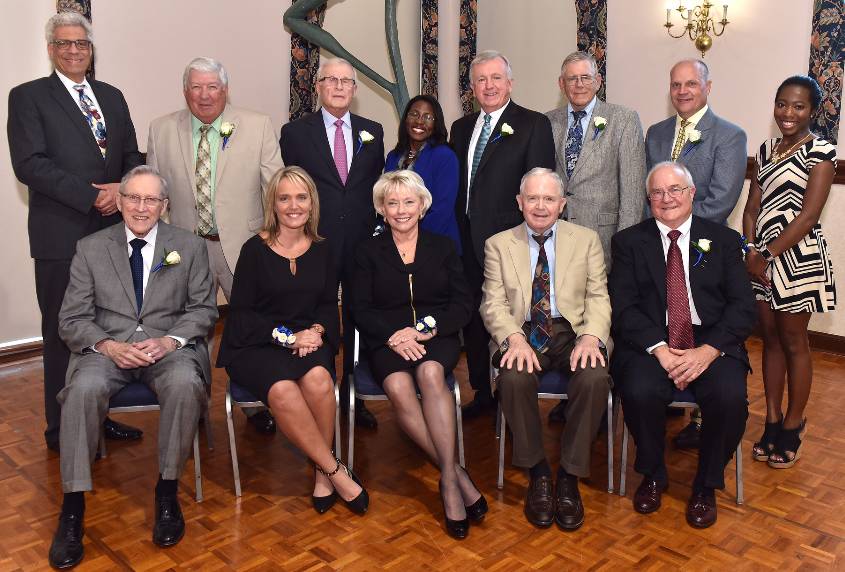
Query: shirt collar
{"points": [[531, 232], [694, 118], [588, 110], [150, 238], [215, 125], [494, 115], [69, 83], [329, 119], [665, 230]]}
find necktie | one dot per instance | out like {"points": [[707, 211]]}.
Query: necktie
{"points": [[541, 307], [573, 142], [205, 223], [680, 321], [136, 264], [681, 139], [483, 137], [340, 151], [95, 120]]}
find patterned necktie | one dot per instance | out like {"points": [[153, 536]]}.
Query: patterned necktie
{"points": [[573, 142], [541, 305], [483, 137], [679, 142], [680, 321], [205, 223], [95, 120], [340, 151], [136, 263]]}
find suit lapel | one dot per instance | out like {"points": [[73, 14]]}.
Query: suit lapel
{"points": [[496, 135], [665, 138], [108, 111], [559, 129], [703, 127], [589, 140], [67, 103], [521, 259], [321, 142], [357, 144], [162, 245], [186, 144], [223, 154], [695, 270], [656, 261], [564, 249], [120, 259]]}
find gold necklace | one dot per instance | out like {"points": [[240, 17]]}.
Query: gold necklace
{"points": [[778, 157]]}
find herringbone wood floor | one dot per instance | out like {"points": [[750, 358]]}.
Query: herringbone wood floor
{"points": [[791, 520]]}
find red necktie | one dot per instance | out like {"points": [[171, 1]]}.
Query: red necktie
{"points": [[340, 151], [680, 321]]}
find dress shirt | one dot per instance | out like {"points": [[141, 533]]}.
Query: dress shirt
{"points": [[476, 133], [534, 254], [69, 83], [585, 121], [215, 141], [328, 121], [692, 122]]}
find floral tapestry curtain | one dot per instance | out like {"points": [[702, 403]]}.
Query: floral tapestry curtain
{"points": [[84, 8], [304, 63], [592, 34], [466, 51], [428, 47], [827, 51]]}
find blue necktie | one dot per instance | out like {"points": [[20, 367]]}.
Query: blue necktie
{"points": [[479, 151], [573, 142], [136, 263]]}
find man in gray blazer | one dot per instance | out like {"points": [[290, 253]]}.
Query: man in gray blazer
{"points": [[601, 156], [137, 309]]}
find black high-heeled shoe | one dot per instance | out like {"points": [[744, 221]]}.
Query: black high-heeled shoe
{"points": [[764, 447], [325, 503], [457, 529], [359, 504], [477, 510]]}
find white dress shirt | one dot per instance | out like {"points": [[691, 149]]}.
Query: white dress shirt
{"points": [[476, 133], [328, 121], [69, 83], [692, 123]]}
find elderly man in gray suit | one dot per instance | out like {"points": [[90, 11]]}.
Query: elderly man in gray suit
{"points": [[712, 149], [137, 309]]}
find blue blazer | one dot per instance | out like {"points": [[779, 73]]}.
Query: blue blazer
{"points": [[438, 167]]}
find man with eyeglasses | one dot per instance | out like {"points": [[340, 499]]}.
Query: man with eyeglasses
{"points": [[137, 310], [344, 154], [71, 139], [682, 307], [218, 160]]}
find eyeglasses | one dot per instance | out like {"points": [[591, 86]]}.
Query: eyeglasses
{"points": [[660, 194], [346, 82], [136, 200], [416, 115], [585, 80], [64, 45]]}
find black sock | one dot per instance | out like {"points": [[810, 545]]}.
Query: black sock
{"points": [[74, 503], [541, 469], [166, 487]]}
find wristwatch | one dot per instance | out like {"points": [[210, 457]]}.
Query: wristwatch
{"points": [[176, 343], [765, 253]]}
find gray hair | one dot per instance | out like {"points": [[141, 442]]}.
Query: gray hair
{"points": [[486, 56], [145, 170], [395, 180], [335, 61], [205, 65], [580, 57], [68, 18], [675, 165], [542, 172], [703, 70]]}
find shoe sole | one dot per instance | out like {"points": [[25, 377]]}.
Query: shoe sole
{"points": [[791, 463], [700, 526], [569, 527], [169, 544], [66, 566]]}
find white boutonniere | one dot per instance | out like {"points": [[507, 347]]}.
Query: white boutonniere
{"points": [[599, 123], [364, 138], [693, 139], [169, 259], [504, 131], [226, 130], [702, 247]]}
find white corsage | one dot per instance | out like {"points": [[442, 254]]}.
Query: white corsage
{"points": [[599, 123], [283, 336], [169, 259], [426, 325], [226, 130]]}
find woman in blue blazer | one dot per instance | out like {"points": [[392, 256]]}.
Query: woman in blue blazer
{"points": [[422, 148]]}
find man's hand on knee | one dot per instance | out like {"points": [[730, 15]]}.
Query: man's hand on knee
{"points": [[586, 348], [125, 356], [156, 348], [520, 350]]}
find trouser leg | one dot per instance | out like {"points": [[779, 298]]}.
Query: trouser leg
{"points": [[585, 408], [517, 394]]}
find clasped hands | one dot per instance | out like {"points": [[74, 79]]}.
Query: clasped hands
{"points": [[587, 349], [106, 201], [684, 366], [307, 341], [127, 355], [406, 343]]}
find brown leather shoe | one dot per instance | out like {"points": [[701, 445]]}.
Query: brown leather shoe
{"points": [[569, 514], [701, 510], [540, 503], [647, 497]]}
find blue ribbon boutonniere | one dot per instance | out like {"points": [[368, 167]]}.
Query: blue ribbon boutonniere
{"points": [[702, 246], [364, 137], [504, 131]]}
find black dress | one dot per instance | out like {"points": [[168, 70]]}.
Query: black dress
{"points": [[389, 295], [265, 295]]}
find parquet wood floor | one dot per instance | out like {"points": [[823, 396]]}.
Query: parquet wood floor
{"points": [[791, 520]]}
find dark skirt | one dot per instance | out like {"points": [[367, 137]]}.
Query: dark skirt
{"points": [[445, 350]]}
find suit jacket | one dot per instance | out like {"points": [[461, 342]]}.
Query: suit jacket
{"points": [[347, 215], [54, 154], [717, 162], [607, 190], [244, 168], [506, 158], [720, 288], [580, 281], [100, 299]]}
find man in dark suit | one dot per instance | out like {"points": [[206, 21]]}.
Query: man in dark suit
{"points": [[137, 309], [344, 154], [496, 147], [682, 309], [71, 140]]}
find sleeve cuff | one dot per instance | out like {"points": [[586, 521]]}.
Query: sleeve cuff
{"points": [[182, 341], [650, 349]]}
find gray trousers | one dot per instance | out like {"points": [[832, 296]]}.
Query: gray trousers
{"points": [[176, 380], [587, 403]]}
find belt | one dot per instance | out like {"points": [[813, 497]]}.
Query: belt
{"points": [[211, 237]]}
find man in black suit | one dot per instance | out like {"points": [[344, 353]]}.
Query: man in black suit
{"points": [[344, 154], [495, 147], [71, 140], [682, 308]]}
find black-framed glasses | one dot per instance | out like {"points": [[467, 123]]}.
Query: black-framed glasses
{"points": [[672, 192], [81, 45], [333, 81], [415, 115], [136, 200]]}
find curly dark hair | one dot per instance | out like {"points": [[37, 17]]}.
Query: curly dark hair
{"points": [[439, 135], [806, 82]]}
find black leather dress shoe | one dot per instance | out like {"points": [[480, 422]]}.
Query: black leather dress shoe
{"points": [[569, 512], [540, 502], [648, 495], [364, 417], [67, 551], [263, 422], [478, 407], [120, 432], [701, 510], [169, 525], [689, 437], [558, 413]]}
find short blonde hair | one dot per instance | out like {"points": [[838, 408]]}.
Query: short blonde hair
{"points": [[297, 176], [395, 180]]}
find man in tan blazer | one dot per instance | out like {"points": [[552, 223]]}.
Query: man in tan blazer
{"points": [[217, 160], [545, 303]]}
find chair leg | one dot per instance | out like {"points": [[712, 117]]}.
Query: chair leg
{"points": [[197, 468], [740, 490], [233, 450], [609, 442], [623, 469], [206, 424], [103, 451], [350, 449], [337, 442], [459, 422], [502, 423]]}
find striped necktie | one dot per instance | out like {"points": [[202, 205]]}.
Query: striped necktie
{"points": [[483, 137]]}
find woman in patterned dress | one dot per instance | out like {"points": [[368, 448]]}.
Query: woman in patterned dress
{"points": [[788, 261]]}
